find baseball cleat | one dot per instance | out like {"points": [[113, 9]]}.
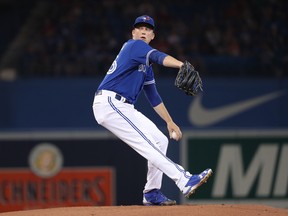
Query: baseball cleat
{"points": [[155, 197], [196, 181]]}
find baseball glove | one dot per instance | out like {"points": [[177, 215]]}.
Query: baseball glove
{"points": [[188, 79]]}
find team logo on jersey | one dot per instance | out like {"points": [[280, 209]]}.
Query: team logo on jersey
{"points": [[142, 68], [112, 68]]}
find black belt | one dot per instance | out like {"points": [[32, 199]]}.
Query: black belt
{"points": [[117, 97]]}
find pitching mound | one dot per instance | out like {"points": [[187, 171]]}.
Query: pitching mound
{"points": [[179, 210]]}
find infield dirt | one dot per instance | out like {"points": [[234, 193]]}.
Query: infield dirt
{"points": [[178, 210]]}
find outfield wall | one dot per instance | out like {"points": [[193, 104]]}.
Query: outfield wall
{"points": [[225, 103]]}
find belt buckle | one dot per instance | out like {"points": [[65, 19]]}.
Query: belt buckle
{"points": [[122, 99]]}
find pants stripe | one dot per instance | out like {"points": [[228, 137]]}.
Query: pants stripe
{"points": [[144, 137]]}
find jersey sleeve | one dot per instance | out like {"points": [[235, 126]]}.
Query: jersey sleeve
{"points": [[141, 52], [145, 54]]}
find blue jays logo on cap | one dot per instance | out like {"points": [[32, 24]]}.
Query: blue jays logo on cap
{"points": [[145, 19]]}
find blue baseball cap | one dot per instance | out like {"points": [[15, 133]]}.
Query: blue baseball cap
{"points": [[145, 19]]}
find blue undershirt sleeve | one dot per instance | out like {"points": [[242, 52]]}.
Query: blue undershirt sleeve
{"points": [[157, 57], [152, 94]]}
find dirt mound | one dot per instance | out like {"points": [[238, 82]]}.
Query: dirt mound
{"points": [[178, 210]]}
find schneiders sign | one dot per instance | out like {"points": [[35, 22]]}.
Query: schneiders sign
{"points": [[46, 183], [21, 189], [249, 166]]}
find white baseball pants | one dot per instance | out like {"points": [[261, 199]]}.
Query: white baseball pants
{"points": [[141, 134]]}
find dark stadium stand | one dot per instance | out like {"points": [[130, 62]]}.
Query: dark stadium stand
{"points": [[80, 38]]}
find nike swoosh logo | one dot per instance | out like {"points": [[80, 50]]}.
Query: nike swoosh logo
{"points": [[201, 116]]}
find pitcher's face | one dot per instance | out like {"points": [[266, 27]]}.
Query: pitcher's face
{"points": [[143, 32]]}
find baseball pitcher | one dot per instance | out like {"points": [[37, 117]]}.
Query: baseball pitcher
{"points": [[113, 107]]}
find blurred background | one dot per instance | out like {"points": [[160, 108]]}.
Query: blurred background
{"points": [[69, 38], [53, 55]]}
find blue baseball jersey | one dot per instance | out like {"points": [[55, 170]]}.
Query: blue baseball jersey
{"points": [[131, 70]]}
